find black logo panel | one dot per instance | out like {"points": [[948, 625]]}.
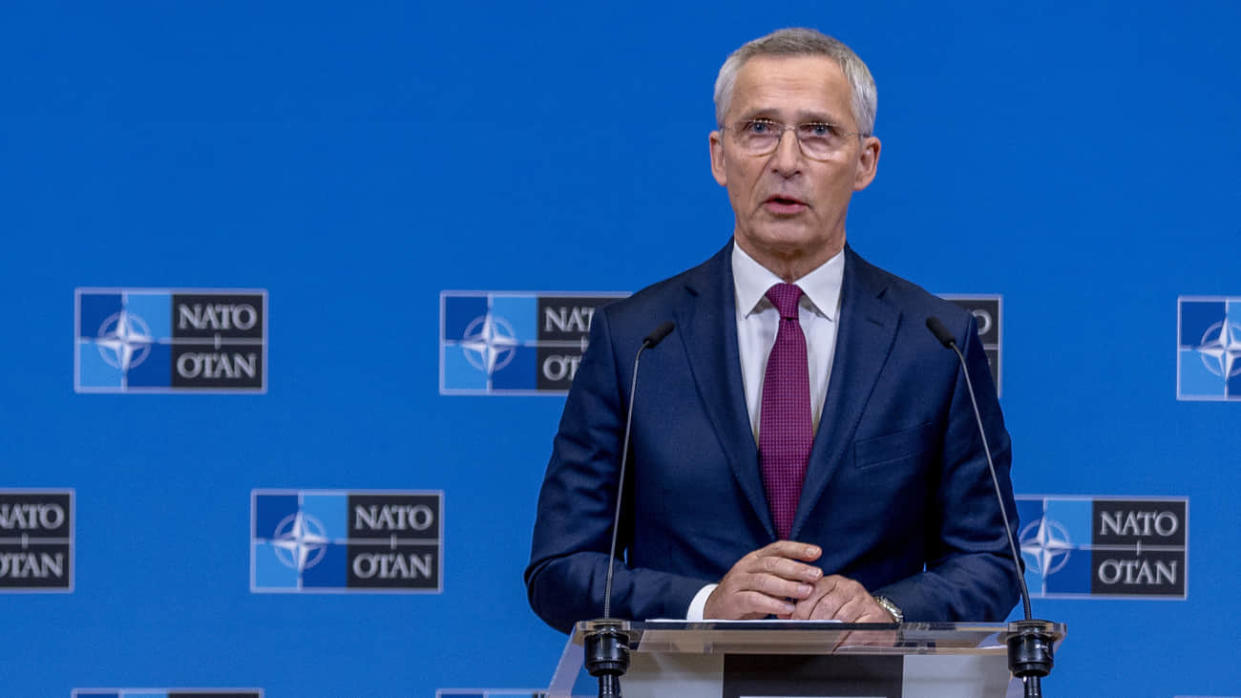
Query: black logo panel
{"points": [[564, 334], [395, 541], [567, 318], [1151, 573], [218, 341], [36, 541], [557, 367], [224, 368], [404, 566], [213, 694], [987, 312], [1139, 547], [222, 315]]}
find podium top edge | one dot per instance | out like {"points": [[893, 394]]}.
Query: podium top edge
{"points": [[813, 636], [835, 626]]}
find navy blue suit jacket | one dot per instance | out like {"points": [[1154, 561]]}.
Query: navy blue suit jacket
{"points": [[896, 491]]}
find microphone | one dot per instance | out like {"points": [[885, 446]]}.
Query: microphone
{"points": [[1029, 650], [606, 645], [936, 326], [656, 337]]}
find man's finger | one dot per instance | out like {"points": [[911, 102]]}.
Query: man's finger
{"points": [[853, 610], [827, 606], [753, 602], [775, 586], [791, 549], [788, 569], [806, 606], [765, 580], [831, 583]]}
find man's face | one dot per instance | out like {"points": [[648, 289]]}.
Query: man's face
{"points": [[790, 209]]}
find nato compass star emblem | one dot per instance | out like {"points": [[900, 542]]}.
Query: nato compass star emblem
{"points": [[124, 340], [1208, 348], [489, 343], [300, 541], [1220, 349], [515, 342], [1047, 543]]}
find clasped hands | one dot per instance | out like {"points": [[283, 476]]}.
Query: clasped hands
{"points": [[775, 580]]}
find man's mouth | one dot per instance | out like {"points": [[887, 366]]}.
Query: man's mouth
{"points": [[783, 204]]}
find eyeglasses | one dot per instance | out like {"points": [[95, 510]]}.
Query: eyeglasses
{"points": [[818, 140]]}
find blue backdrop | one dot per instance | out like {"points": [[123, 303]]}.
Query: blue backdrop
{"points": [[355, 160]]}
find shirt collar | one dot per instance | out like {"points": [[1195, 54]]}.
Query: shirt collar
{"points": [[821, 287]]}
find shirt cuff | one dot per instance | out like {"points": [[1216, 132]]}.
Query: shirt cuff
{"points": [[698, 606]]}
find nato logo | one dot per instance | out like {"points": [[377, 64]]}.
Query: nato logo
{"points": [[513, 343], [168, 693], [329, 541], [1208, 348], [36, 540], [987, 311], [490, 693], [169, 340], [1129, 547]]}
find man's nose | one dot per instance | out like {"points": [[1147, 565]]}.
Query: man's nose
{"points": [[786, 159]]}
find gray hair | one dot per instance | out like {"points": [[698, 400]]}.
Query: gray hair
{"points": [[803, 42]]}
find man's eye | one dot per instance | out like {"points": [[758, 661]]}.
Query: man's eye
{"points": [[758, 128], [818, 130]]}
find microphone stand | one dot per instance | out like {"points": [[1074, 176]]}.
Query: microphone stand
{"points": [[607, 644], [1029, 648]]}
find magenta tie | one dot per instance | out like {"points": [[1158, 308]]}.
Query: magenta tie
{"points": [[785, 433]]}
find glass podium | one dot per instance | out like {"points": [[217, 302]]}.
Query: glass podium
{"points": [[751, 659]]}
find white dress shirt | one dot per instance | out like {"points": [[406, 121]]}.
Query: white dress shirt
{"points": [[757, 323]]}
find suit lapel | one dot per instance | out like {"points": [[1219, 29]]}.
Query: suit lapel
{"points": [[708, 318], [864, 340]]}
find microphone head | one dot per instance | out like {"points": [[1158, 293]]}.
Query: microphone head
{"points": [[936, 326], [658, 335]]}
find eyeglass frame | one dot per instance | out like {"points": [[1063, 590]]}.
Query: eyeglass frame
{"points": [[736, 128]]}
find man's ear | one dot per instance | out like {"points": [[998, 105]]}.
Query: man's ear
{"points": [[868, 163], [716, 140]]}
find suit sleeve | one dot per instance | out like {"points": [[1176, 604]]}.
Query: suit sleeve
{"points": [[572, 531], [969, 573]]}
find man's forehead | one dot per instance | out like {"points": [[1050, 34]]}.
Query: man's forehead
{"points": [[799, 87]]}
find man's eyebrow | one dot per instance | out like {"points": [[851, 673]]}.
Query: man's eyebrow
{"points": [[768, 114], [803, 117], [817, 117]]}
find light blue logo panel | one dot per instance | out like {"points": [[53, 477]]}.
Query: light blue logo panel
{"points": [[490, 693], [513, 343], [329, 541], [1208, 353], [481, 336], [136, 340], [291, 538], [168, 693], [1082, 547], [119, 336]]}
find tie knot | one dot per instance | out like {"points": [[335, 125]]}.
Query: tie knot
{"points": [[785, 298]]}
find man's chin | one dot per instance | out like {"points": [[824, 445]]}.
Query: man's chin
{"points": [[787, 236], [789, 240]]}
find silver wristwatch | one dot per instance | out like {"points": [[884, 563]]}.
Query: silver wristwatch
{"points": [[886, 604]]}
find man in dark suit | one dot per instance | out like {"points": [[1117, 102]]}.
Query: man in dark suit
{"points": [[802, 446]]}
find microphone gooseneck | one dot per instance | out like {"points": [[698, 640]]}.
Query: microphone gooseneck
{"points": [[648, 342], [1030, 648], [606, 645], [945, 337]]}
